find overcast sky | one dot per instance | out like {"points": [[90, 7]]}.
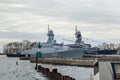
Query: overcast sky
{"points": [[28, 19]]}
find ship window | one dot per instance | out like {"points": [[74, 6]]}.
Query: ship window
{"points": [[116, 70]]}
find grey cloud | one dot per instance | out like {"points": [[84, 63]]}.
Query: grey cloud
{"points": [[83, 10], [87, 11], [22, 35], [25, 19]]}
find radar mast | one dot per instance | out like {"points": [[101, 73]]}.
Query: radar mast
{"points": [[78, 36], [50, 35]]}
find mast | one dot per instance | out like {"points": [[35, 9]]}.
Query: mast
{"points": [[75, 30], [78, 36], [48, 28], [50, 35]]}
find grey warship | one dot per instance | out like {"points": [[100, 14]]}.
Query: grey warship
{"points": [[53, 49]]}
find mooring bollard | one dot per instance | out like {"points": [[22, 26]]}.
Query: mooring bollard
{"points": [[73, 79], [66, 77], [50, 75], [59, 76], [47, 71], [39, 68], [54, 70], [16, 62]]}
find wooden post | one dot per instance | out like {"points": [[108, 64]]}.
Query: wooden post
{"points": [[36, 61]]}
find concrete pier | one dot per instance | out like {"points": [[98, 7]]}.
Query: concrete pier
{"points": [[71, 62], [82, 62]]}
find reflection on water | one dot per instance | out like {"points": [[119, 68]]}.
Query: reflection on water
{"points": [[15, 69]]}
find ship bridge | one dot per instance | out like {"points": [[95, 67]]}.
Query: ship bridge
{"points": [[50, 35]]}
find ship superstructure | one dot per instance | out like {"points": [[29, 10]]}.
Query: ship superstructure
{"points": [[53, 49], [79, 44], [78, 36]]}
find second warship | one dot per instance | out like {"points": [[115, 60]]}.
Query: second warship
{"points": [[53, 49]]}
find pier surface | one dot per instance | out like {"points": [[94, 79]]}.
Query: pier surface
{"points": [[82, 62], [71, 62]]}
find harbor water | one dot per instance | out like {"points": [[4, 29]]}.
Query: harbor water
{"points": [[15, 69]]}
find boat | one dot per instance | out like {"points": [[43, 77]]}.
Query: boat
{"points": [[109, 70], [17, 55], [53, 49], [101, 53]]}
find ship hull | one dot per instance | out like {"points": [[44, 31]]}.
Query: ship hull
{"points": [[63, 54]]}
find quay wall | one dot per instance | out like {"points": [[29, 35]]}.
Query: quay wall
{"points": [[71, 62], [82, 62]]}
